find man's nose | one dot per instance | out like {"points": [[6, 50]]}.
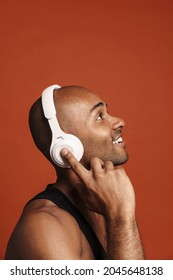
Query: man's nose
{"points": [[117, 122]]}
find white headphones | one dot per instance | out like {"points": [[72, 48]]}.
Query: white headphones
{"points": [[60, 139]]}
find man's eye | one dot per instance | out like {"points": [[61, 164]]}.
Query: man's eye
{"points": [[99, 117]]}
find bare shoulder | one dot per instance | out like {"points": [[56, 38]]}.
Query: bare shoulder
{"points": [[45, 231]]}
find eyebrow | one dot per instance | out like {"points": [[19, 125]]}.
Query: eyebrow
{"points": [[99, 104]]}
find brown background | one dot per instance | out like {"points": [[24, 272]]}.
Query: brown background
{"points": [[123, 51]]}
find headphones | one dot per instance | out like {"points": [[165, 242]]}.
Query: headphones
{"points": [[60, 139]]}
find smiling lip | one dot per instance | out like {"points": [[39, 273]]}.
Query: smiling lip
{"points": [[118, 141]]}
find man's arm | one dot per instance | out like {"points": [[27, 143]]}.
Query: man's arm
{"points": [[123, 240], [108, 191]]}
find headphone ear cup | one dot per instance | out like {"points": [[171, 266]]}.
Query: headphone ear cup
{"points": [[70, 142]]}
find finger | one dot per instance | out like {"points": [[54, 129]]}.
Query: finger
{"points": [[75, 165], [97, 165], [108, 165]]}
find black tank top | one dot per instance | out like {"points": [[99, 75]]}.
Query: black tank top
{"points": [[59, 198]]}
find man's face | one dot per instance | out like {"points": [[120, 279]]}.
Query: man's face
{"points": [[100, 133], [102, 136]]}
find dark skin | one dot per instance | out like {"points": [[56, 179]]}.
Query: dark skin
{"points": [[98, 186]]}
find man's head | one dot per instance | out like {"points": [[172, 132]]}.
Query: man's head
{"points": [[83, 114]]}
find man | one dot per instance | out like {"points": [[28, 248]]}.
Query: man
{"points": [[98, 220]]}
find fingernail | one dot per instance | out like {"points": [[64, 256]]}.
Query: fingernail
{"points": [[64, 152]]}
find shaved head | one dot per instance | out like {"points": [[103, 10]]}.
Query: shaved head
{"points": [[39, 128], [83, 114], [67, 101]]}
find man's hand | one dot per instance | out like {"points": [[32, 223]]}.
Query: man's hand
{"points": [[106, 190]]}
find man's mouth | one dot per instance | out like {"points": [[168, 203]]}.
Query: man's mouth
{"points": [[119, 140]]}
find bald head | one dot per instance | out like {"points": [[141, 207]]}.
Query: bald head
{"points": [[83, 114], [68, 101]]}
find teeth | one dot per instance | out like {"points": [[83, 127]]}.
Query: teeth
{"points": [[119, 140]]}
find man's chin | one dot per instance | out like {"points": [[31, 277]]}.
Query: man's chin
{"points": [[121, 161]]}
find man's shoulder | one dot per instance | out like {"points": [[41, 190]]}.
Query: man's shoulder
{"points": [[45, 209], [42, 228], [48, 217]]}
